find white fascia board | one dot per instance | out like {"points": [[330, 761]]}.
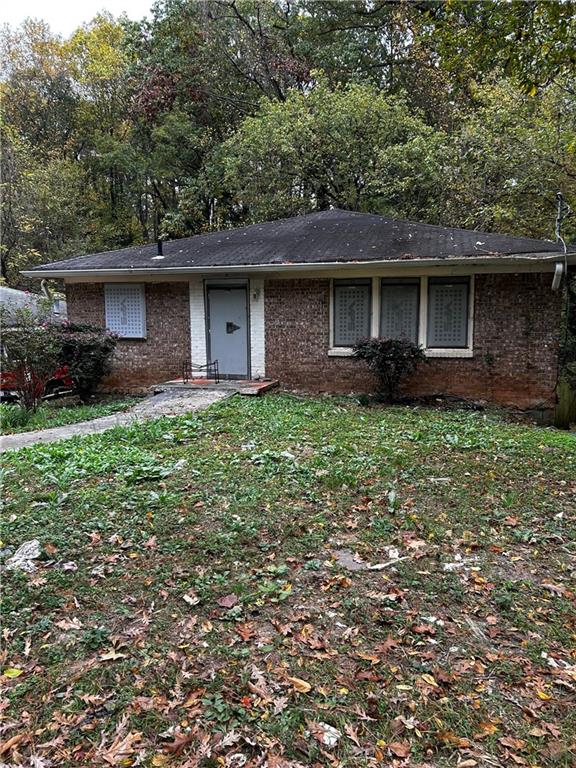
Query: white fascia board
{"points": [[387, 264]]}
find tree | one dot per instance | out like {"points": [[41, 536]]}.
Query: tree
{"points": [[534, 42], [351, 147], [211, 113], [38, 97], [44, 216], [514, 153]]}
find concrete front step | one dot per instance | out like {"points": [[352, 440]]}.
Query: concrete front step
{"points": [[242, 387]]}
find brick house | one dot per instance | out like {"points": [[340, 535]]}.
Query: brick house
{"points": [[288, 299]]}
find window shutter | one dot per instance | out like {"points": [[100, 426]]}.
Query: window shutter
{"points": [[351, 311], [125, 310], [447, 313], [399, 309]]}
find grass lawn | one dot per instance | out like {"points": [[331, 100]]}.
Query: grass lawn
{"points": [[57, 413], [203, 596]]}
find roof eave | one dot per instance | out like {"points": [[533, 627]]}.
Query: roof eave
{"points": [[509, 259]]}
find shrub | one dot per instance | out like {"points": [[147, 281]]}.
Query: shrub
{"points": [[391, 360], [87, 351], [31, 350]]}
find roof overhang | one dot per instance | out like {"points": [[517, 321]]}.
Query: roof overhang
{"points": [[544, 259]]}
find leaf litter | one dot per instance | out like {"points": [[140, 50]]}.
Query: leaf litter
{"points": [[211, 619]]}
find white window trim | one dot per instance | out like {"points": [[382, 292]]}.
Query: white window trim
{"points": [[463, 352], [334, 351], [142, 291]]}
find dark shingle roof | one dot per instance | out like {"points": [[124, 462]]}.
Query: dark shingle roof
{"points": [[316, 238]]}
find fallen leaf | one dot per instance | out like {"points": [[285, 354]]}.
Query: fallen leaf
{"points": [[228, 602], [246, 631], [448, 737], [558, 589], [9, 744], [368, 657], [386, 645], [121, 748], [299, 685], [399, 748], [326, 734], [352, 733], [112, 655], [191, 598], [424, 629], [485, 729], [554, 730], [12, 672], [193, 698], [67, 624], [509, 741], [144, 703], [181, 740], [280, 704]]}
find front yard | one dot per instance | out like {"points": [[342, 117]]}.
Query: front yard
{"points": [[204, 595]]}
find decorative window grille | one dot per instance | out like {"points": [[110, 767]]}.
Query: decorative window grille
{"points": [[352, 307], [448, 312], [125, 310], [399, 303]]}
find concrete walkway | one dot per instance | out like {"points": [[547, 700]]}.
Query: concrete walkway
{"points": [[170, 403]]}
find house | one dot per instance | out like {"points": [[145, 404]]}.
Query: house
{"points": [[11, 300], [288, 299]]}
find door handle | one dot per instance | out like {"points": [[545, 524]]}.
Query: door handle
{"points": [[231, 327]]}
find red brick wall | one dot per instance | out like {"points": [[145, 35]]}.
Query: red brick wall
{"points": [[516, 331], [141, 362]]}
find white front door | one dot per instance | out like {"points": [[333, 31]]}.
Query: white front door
{"points": [[228, 330]]}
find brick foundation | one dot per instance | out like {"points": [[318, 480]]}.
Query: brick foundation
{"points": [[516, 330], [141, 362]]}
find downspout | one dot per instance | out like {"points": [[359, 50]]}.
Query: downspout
{"points": [[558, 272]]}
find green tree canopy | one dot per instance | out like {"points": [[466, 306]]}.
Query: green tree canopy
{"points": [[213, 112], [349, 147]]}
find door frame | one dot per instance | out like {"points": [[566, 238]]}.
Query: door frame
{"points": [[228, 284]]}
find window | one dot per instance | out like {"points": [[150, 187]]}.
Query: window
{"points": [[448, 299], [434, 312], [399, 305], [125, 310], [352, 308]]}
